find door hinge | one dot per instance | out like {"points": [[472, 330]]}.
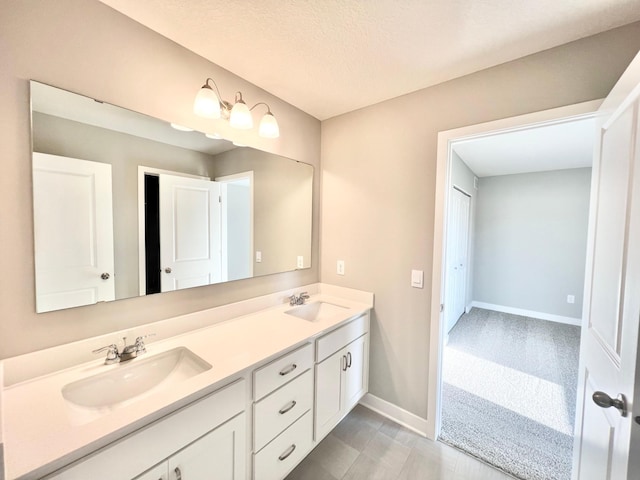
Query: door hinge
{"points": [[219, 198], [441, 307]]}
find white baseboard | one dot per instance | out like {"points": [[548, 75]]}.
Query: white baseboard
{"points": [[468, 308], [529, 313], [395, 413]]}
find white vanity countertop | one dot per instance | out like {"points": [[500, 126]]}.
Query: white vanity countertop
{"points": [[42, 430]]}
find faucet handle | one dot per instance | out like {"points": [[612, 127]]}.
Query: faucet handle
{"points": [[112, 353], [304, 295], [140, 346]]}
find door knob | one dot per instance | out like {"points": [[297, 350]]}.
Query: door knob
{"points": [[167, 270], [605, 401], [105, 276]]}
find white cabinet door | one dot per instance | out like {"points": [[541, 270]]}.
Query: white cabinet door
{"points": [[341, 381], [356, 375], [159, 472], [329, 392], [73, 229], [219, 454], [190, 236]]}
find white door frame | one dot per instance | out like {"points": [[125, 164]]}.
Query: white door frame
{"points": [[443, 185], [248, 175]]}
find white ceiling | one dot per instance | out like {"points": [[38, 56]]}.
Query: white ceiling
{"points": [[543, 148], [328, 57]]}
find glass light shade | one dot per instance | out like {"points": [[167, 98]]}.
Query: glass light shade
{"points": [[241, 116], [206, 103], [269, 126], [182, 128]]}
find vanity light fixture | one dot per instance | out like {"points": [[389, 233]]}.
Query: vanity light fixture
{"points": [[209, 104], [182, 128]]}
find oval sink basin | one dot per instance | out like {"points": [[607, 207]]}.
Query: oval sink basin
{"points": [[132, 379], [316, 311]]}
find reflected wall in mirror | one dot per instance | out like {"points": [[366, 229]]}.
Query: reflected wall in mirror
{"points": [[126, 205]]}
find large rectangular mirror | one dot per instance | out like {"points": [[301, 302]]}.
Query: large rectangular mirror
{"points": [[128, 205]]}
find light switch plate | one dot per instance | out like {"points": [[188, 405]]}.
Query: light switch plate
{"points": [[340, 267], [258, 257], [417, 278], [571, 299]]}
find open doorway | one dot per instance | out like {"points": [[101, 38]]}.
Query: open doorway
{"points": [[515, 258]]}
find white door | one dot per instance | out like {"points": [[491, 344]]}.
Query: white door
{"points": [[73, 230], [456, 264], [189, 232], [237, 225], [612, 293]]}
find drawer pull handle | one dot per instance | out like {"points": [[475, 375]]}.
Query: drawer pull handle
{"points": [[344, 363], [284, 410], [348, 359], [288, 370], [287, 452], [178, 473]]}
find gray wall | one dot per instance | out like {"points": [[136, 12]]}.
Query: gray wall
{"points": [[281, 190], [531, 240], [378, 191], [86, 47], [463, 178]]}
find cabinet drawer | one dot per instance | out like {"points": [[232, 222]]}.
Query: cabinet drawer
{"points": [[279, 457], [277, 411], [334, 341], [282, 370]]}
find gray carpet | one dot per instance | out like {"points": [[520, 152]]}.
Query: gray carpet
{"points": [[509, 392]]}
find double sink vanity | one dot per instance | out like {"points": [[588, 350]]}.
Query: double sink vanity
{"points": [[243, 398]]}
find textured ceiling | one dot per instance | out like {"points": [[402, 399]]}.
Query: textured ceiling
{"points": [[537, 149], [329, 57]]}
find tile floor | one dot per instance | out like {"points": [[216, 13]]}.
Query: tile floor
{"points": [[367, 446]]}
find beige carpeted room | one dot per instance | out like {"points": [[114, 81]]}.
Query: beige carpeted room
{"points": [[515, 271]]}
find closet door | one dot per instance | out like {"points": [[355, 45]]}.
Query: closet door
{"points": [[456, 259]]}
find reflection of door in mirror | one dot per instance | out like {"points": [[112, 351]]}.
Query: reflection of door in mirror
{"points": [[180, 231], [74, 251], [237, 225], [189, 232]]}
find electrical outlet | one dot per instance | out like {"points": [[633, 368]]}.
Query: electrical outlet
{"points": [[340, 267], [571, 299], [300, 262], [258, 257]]}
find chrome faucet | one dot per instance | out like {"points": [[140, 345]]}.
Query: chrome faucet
{"points": [[298, 299], [129, 352]]}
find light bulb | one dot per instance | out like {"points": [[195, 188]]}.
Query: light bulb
{"points": [[241, 116], [206, 103], [269, 126]]}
